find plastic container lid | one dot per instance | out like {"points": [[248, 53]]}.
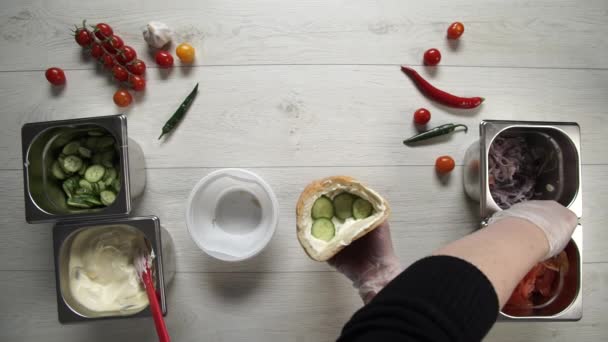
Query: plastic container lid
{"points": [[232, 214]]}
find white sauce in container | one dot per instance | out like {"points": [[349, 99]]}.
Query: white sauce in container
{"points": [[102, 276]]}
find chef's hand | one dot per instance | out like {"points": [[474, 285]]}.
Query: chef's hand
{"points": [[556, 221], [369, 262]]}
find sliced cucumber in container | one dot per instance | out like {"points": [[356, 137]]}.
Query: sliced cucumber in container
{"points": [[57, 171], [87, 168], [107, 197], [84, 152], [94, 173], [78, 202], [71, 148], [72, 164], [104, 142]]}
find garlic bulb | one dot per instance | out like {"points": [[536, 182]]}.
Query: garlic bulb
{"points": [[157, 34]]}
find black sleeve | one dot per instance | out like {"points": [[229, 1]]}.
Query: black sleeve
{"points": [[439, 298]]}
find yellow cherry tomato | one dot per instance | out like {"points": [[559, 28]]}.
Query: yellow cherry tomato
{"points": [[185, 52]]}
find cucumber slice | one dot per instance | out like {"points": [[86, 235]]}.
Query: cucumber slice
{"points": [[83, 191], [361, 208], [101, 186], [107, 158], [116, 185], [344, 205], [70, 186], [95, 133], [85, 152], [108, 197], [67, 189], [95, 188], [71, 148], [83, 183], [72, 164], [85, 165], [57, 171], [104, 142], [78, 202], [323, 229], [92, 200], [322, 208], [94, 173], [110, 176]]}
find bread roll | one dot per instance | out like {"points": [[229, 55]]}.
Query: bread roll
{"points": [[346, 231]]}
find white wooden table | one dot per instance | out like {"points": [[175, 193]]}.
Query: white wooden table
{"points": [[295, 90]]}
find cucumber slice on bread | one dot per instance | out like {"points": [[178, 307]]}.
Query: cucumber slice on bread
{"points": [[323, 229], [322, 208]]}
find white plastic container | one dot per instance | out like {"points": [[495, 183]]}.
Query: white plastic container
{"points": [[232, 214]]}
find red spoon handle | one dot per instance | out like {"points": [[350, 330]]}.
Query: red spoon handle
{"points": [[159, 322]]}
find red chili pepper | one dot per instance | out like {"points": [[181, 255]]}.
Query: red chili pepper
{"points": [[440, 95]]}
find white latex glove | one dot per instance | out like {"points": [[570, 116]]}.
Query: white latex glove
{"points": [[556, 221], [369, 262]]}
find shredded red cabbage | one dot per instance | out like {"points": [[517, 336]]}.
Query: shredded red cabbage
{"points": [[513, 168]]}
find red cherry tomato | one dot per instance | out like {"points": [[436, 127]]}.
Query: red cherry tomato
{"points": [[108, 61], [122, 98], [422, 116], [444, 164], [55, 76], [103, 31], [120, 73], [137, 82], [83, 37], [125, 55], [164, 59], [113, 44], [96, 50], [455, 30], [137, 67], [432, 57]]}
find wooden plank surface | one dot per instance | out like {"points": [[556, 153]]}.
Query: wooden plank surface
{"points": [[418, 228], [255, 307], [308, 115], [296, 90], [547, 33]]}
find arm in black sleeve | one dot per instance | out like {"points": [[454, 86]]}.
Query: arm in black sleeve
{"points": [[439, 298]]}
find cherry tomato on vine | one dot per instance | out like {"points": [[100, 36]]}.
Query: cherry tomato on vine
{"points": [[55, 76], [96, 50], [432, 57], [185, 52], [120, 73], [125, 55], [113, 44], [122, 98], [137, 82], [422, 116], [455, 30], [137, 67], [444, 164], [103, 31], [164, 59], [108, 61], [83, 37]]}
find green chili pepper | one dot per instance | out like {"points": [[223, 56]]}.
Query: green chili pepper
{"points": [[435, 132], [179, 113]]}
